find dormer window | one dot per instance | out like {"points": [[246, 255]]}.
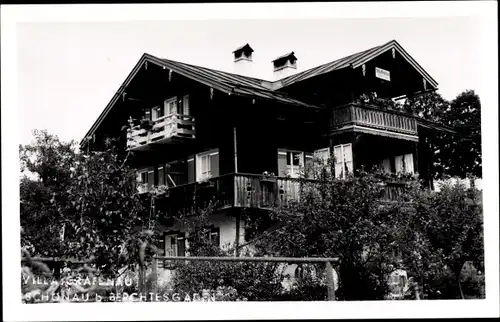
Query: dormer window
{"points": [[243, 53]]}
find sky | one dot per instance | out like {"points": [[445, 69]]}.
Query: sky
{"points": [[68, 71]]}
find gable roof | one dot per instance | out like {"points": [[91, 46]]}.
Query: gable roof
{"points": [[289, 55], [244, 48], [356, 60], [223, 81], [258, 88]]}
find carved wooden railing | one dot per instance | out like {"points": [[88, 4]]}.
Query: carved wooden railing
{"points": [[163, 129], [373, 117]]}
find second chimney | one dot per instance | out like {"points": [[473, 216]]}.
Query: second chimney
{"points": [[285, 65], [243, 58]]}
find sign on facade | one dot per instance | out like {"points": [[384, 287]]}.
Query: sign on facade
{"points": [[382, 74]]}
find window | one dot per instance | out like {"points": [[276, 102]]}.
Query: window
{"points": [[184, 105], [343, 160], [210, 235], [175, 173], [207, 165], [171, 106], [158, 112], [323, 155], [290, 163], [145, 177], [175, 244], [147, 114], [404, 163]]}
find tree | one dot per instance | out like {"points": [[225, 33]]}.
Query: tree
{"points": [[452, 155], [456, 155], [338, 218], [83, 205], [438, 235]]}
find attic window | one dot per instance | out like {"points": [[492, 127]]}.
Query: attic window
{"points": [[243, 53]]}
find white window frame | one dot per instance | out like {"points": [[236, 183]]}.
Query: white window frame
{"points": [[144, 186], [201, 173], [319, 152], [172, 250], [405, 168], [290, 168], [154, 112], [166, 105], [342, 174]]}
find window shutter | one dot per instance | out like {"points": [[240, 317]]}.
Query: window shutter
{"points": [[180, 106], [323, 155], [348, 158], [191, 169], [181, 245], [214, 165], [282, 162], [408, 158], [385, 165], [151, 177], [161, 175], [398, 162], [337, 154], [185, 105], [309, 165], [216, 230]]}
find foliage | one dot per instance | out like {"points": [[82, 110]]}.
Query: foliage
{"points": [[82, 205], [238, 280], [453, 154], [338, 218], [438, 235], [429, 234], [39, 285]]}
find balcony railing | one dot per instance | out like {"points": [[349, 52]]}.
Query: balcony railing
{"points": [[164, 130], [242, 190], [234, 190], [373, 117]]}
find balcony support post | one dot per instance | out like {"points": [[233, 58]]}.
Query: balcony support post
{"points": [[235, 150], [237, 238]]}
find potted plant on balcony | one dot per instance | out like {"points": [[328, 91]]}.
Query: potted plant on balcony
{"points": [[268, 177]]}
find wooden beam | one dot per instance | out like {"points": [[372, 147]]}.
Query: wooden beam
{"points": [[311, 260], [235, 150], [330, 281]]}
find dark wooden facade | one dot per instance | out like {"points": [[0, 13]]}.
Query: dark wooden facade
{"points": [[247, 131]]}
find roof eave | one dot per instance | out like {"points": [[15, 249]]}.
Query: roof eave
{"points": [[394, 44], [144, 58]]}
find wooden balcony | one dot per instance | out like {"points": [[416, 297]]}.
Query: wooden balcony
{"points": [[233, 190], [242, 190], [173, 128], [373, 120]]}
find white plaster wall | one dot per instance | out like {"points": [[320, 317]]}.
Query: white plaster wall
{"points": [[226, 224]]}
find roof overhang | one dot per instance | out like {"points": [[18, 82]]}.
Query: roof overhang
{"points": [[224, 87], [393, 44]]}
